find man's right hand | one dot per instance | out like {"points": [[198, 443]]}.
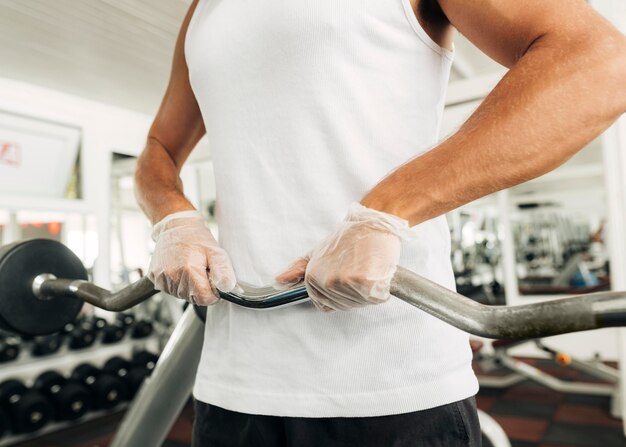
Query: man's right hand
{"points": [[187, 261]]}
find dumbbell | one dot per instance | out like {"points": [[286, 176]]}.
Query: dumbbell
{"points": [[71, 399], [144, 362], [145, 359], [107, 390], [132, 375], [96, 323], [82, 336], [28, 410], [117, 366], [125, 319], [113, 332], [92, 324], [46, 345], [141, 329], [136, 376], [9, 348], [116, 331]]}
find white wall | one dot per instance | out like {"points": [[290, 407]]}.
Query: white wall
{"points": [[105, 129]]}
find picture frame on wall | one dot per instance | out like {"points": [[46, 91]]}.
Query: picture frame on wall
{"points": [[32, 148]]}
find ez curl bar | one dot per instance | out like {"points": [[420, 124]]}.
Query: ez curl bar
{"points": [[43, 286]]}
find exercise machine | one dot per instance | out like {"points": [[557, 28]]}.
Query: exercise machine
{"points": [[43, 286], [520, 371]]}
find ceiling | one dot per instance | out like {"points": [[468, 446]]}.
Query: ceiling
{"points": [[113, 51], [116, 51]]}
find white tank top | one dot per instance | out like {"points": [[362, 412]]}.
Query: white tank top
{"points": [[307, 105]]}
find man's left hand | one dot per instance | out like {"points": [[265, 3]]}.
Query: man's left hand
{"points": [[354, 266]]}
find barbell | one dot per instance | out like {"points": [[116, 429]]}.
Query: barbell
{"points": [[43, 286]]}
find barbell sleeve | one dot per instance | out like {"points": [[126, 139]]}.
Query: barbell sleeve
{"points": [[119, 301]]}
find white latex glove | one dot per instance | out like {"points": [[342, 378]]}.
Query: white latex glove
{"points": [[187, 261], [355, 265]]}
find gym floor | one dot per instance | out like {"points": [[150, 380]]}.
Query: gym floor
{"points": [[532, 416]]}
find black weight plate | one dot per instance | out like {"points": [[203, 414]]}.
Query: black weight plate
{"points": [[20, 310]]}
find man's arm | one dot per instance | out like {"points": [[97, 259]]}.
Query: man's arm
{"points": [[175, 131], [566, 85], [187, 261]]}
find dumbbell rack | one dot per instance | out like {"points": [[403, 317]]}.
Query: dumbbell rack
{"points": [[56, 426], [26, 368]]}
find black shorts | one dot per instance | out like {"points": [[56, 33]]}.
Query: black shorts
{"points": [[452, 425]]}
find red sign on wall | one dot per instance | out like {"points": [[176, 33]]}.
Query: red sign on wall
{"points": [[10, 153]]}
